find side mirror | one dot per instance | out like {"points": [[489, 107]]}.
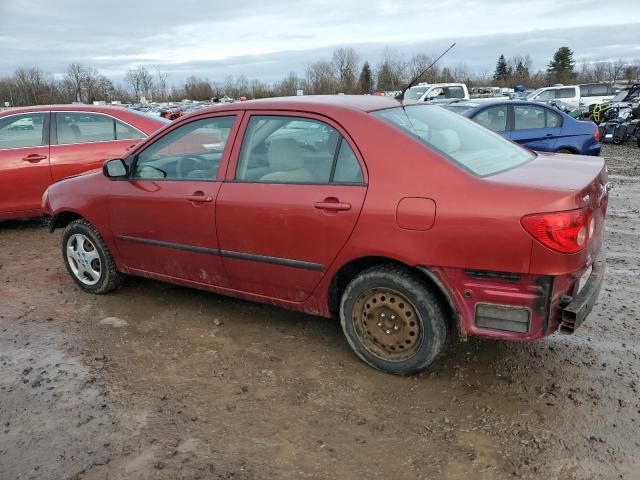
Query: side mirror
{"points": [[115, 169]]}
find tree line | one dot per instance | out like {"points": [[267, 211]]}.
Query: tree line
{"points": [[343, 72]]}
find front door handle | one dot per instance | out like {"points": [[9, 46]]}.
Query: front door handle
{"points": [[200, 197], [332, 204], [34, 158]]}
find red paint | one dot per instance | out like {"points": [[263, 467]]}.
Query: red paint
{"points": [[477, 226]]}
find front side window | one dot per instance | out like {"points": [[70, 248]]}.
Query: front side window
{"points": [[455, 92], [19, 131], [546, 95], [527, 117], [458, 139], [281, 149], [565, 93], [190, 152], [494, 118], [84, 128]]}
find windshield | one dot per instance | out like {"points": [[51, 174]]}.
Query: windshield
{"points": [[462, 141], [415, 93]]}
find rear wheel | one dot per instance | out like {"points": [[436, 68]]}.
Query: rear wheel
{"points": [[565, 150], [87, 258], [392, 321]]}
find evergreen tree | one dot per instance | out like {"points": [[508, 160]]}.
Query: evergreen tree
{"points": [[561, 67], [366, 80], [503, 72]]}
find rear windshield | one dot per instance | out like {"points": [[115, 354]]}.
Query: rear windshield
{"points": [[462, 141]]}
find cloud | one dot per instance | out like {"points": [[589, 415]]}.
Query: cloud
{"points": [[219, 38]]}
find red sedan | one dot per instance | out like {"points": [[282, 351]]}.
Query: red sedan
{"points": [[41, 145], [406, 221]]}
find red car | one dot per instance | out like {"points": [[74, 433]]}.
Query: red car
{"points": [[408, 222], [41, 145]]}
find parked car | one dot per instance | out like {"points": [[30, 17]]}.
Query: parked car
{"points": [[579, 96], [406, 221], [437, 92], [534, 125], [41, 145]]}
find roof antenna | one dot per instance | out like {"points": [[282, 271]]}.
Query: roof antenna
{"points": [[400, 96]]}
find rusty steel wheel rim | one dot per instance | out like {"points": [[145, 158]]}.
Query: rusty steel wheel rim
{"points": [[387, 324]]}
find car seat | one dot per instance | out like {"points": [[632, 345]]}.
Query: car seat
{"points": [[286, 161]]}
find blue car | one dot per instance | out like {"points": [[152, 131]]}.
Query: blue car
{"points": [[534, 125]]}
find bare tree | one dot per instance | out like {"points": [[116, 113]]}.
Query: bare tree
{"points": [[345, 61], [321, 78], [75, 75]]}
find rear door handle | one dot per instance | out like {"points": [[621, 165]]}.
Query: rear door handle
{"points": [[200, 197], [34, 158], [332, 205]]}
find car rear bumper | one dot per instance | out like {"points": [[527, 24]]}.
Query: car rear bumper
{"points": [[576, 311], [521, 307]]}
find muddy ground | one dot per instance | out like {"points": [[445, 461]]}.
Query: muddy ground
{"points": [[161, 382]]}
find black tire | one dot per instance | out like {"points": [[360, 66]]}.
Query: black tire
{"points": [[565, 150], [420, 319], [108, 278]]}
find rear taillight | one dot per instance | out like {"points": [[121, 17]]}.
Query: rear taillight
{"points": [[596, 134], [564, 232]]}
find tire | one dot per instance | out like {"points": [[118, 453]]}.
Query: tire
{"points": [[565, 150], [410, 329], [88, 260]]}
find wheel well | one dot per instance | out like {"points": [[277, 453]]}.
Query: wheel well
{"points": [[350, 270], [63, 219], [567, 149]]}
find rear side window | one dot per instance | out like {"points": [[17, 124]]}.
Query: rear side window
{"points": [[347, 166], [19, 131], [84, 128], [282, 149], [458, 139], [596, 90], [126, 132], [554, 120], [527, 117]]}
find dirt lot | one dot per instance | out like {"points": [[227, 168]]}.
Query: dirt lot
{"points": [[162, 382]]}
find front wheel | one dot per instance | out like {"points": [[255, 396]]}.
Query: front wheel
{"points": [[392, 321], [87, 258]]}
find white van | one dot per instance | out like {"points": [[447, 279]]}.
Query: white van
{"points": [[437, 92], [578, 96]]}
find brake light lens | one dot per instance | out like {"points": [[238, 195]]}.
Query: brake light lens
{"points": [[596, 135], [564, 232]]}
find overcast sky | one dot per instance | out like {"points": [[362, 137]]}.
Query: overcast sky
{"points": [[266, 39]]}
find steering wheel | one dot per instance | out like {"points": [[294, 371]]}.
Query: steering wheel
{"points": [[190, 163]]}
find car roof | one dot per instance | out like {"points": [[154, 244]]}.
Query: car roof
{"points": [[362, 103], [66, 107]]}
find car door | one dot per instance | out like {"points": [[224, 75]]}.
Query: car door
{"points": [[82, 141], [24, 162], [529, 128], [163, 216], [293, 193]]}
